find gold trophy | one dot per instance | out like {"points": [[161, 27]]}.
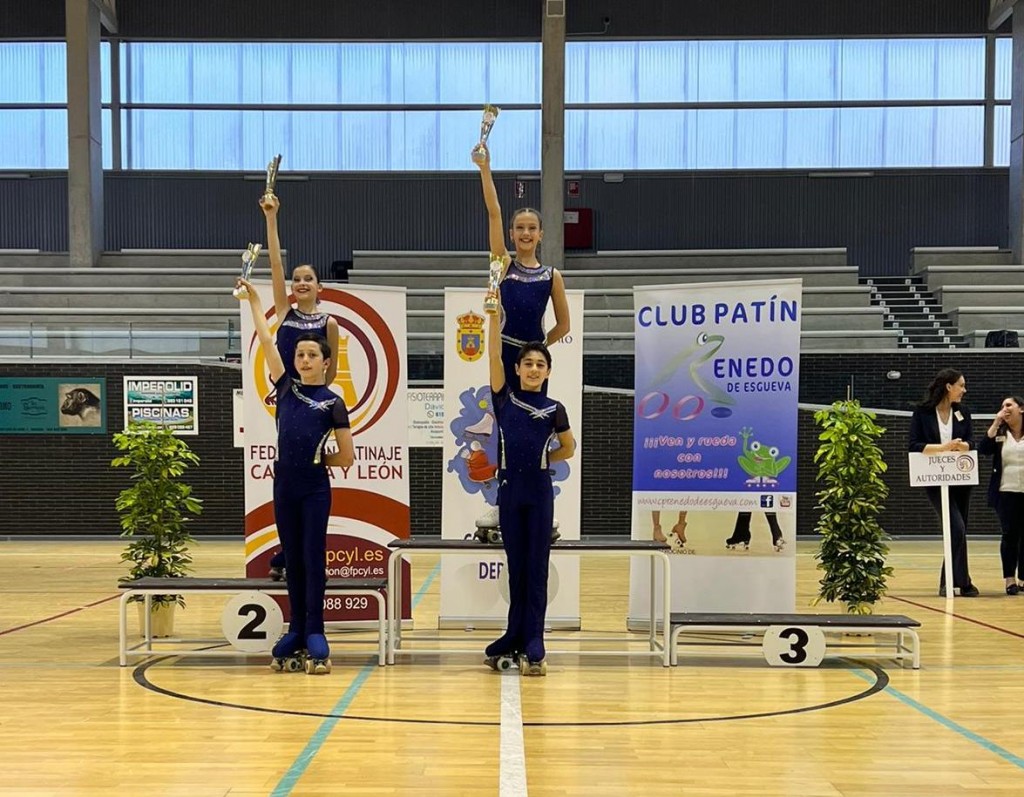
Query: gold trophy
{"points": [[494, 275], [249, 257], [491, 112], [272, 168]]}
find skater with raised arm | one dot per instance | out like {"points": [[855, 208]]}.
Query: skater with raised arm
{"points": [[302, 318], [529, 423], [308, 413], [527, 285]]}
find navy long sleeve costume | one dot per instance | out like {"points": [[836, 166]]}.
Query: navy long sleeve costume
{"points": [[527, 423], [924, 430], [307, 416], [294, 324]]}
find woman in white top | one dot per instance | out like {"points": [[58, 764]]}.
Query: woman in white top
{"points": [[941, 424], [1004, 440]]}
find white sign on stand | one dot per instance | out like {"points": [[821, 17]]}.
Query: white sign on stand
{"points": [[950, 468]]}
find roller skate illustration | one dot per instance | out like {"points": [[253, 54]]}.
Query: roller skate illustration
{"points": [[676, 538], [478, 466], [739, 539], [482, 428], [318, 660], [288, 654]]}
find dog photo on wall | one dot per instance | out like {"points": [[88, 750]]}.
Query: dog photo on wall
{"points": [[81, 404]]}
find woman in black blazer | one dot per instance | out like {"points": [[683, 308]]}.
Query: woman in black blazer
{"points": [[941, 424], [1004, 440]]}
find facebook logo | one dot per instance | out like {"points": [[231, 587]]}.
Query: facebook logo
{"points": [[767, 501]]}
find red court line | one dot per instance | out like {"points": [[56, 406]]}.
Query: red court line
{"points": [[58, 616], [959, 617]]}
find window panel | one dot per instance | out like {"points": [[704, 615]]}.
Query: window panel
{"points": [[760, 139], [716, 65], [811, 138], [1004, 67], [862, 69], [812, 71], [1001, 143], [760, 71], [663, 71], [662, 139], [715, 136]]}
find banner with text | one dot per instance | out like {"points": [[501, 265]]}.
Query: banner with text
{"points": [[715, 442], [370, 503], [475, 591]]}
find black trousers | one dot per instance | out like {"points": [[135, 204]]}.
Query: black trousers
{"points": [[959, 504], [1011, 548]]}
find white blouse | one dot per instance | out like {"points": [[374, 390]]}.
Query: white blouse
{"points": [[945, 429], [1012, 479]]}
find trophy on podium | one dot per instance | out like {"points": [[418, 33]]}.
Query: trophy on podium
{"points": [[490, 117], [249, 256], [494, 274], [272, 167]]}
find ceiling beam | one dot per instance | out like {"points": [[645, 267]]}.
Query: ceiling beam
{"points": [[999, 12], [108, 14]]}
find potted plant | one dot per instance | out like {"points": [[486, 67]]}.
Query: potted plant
{"points": [[853, 545], [155, 511]]}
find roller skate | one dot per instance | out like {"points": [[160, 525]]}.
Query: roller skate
{"points": [[532, 661], [736, 540], [277, 567], [487, 530], [317, 656], [288, 653], [778, 543], [502, 654], [555, 536], [484, 427]]}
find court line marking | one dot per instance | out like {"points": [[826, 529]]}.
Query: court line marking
{"points": [[949, 724], [963, 617], [57, 616], [302, 762], [512, 760]]}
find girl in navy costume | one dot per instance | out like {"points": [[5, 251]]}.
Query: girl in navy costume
{"points": [[308, 413], [527, 285], [294, 321], [528, 422]]}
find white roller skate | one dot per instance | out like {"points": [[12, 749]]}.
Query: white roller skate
{"points": [[484, 427], [318, 660], [779, 544], [288, 654], [531, 668]]}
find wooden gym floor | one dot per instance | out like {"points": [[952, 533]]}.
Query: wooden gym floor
{"points": [[74, 723]]}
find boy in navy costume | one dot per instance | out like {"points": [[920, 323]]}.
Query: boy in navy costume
{"points": [[293, 322], [528, 423], [308, 413]]}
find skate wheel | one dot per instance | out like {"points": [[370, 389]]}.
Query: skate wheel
{"points": [[293, 664], [277, 665], [493, 536]]}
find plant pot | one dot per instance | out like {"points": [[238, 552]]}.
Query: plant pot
{"points": [[161, 619]]}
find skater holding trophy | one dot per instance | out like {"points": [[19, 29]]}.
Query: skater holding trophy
{"points": [[308, 413], [293, 320], [529, 422]]}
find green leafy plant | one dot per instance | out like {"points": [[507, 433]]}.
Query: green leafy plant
{"points": [[853, 546], [155, 509]]}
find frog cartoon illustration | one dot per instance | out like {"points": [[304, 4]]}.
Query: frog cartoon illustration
{"points": [[762, 463]]}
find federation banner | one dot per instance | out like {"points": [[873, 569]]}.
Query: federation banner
{"points": [[474, 591], [715, 441], [370, 503]]}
